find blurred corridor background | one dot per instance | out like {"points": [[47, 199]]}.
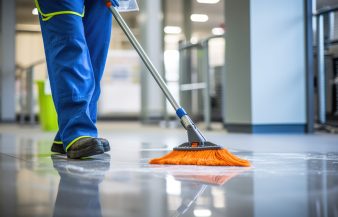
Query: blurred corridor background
{"points": [[259, 77]]}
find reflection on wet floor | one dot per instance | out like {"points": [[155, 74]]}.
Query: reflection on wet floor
{"points": [[33, 182]]}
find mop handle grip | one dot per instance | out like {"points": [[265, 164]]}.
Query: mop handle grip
{"points": [[146, 60]]}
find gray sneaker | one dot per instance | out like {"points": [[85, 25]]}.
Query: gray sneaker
{"points": [[85, 147], [58, 148]]}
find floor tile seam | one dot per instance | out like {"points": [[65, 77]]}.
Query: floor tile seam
{"points": [[15, 157]]}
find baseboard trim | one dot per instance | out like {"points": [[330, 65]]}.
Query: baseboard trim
{"points": [[266, 128]]}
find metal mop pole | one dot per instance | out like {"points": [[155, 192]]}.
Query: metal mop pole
{"points": [[196, 140]]}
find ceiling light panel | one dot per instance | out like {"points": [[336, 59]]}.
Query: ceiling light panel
{"points": [[208, 1], [35, 11], [172, 29], [199, 18], [217, 31]]}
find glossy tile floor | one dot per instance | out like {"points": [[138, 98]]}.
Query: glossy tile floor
{"points": [[292, 175]]}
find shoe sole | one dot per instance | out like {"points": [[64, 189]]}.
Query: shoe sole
{"points": [[86, 152], [106, 148], [58, 148]]}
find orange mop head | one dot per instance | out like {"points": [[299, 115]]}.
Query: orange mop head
{"points": [[198, 151], [212, 157]]}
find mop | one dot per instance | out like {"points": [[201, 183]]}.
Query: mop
{"points": [[197, 151]]}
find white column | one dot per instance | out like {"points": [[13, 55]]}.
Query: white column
{"points": [[152, 98], [265, 66], [7, 60]]}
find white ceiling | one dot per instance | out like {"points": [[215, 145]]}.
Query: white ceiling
{"points": [[174, 14]]}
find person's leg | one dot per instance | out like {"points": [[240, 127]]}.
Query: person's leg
{"points": [[69, 67], [97, 27]]}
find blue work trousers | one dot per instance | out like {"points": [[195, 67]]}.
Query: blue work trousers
{"points": [[76, 36]]}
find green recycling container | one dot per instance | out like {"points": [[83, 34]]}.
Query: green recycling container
{"points": [[48, 116]]}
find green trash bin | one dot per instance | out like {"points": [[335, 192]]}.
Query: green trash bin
{"points": [[48, 116]]}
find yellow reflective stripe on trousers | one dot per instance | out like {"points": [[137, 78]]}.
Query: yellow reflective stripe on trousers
{"points": [[75, 140], [48, 16]]}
